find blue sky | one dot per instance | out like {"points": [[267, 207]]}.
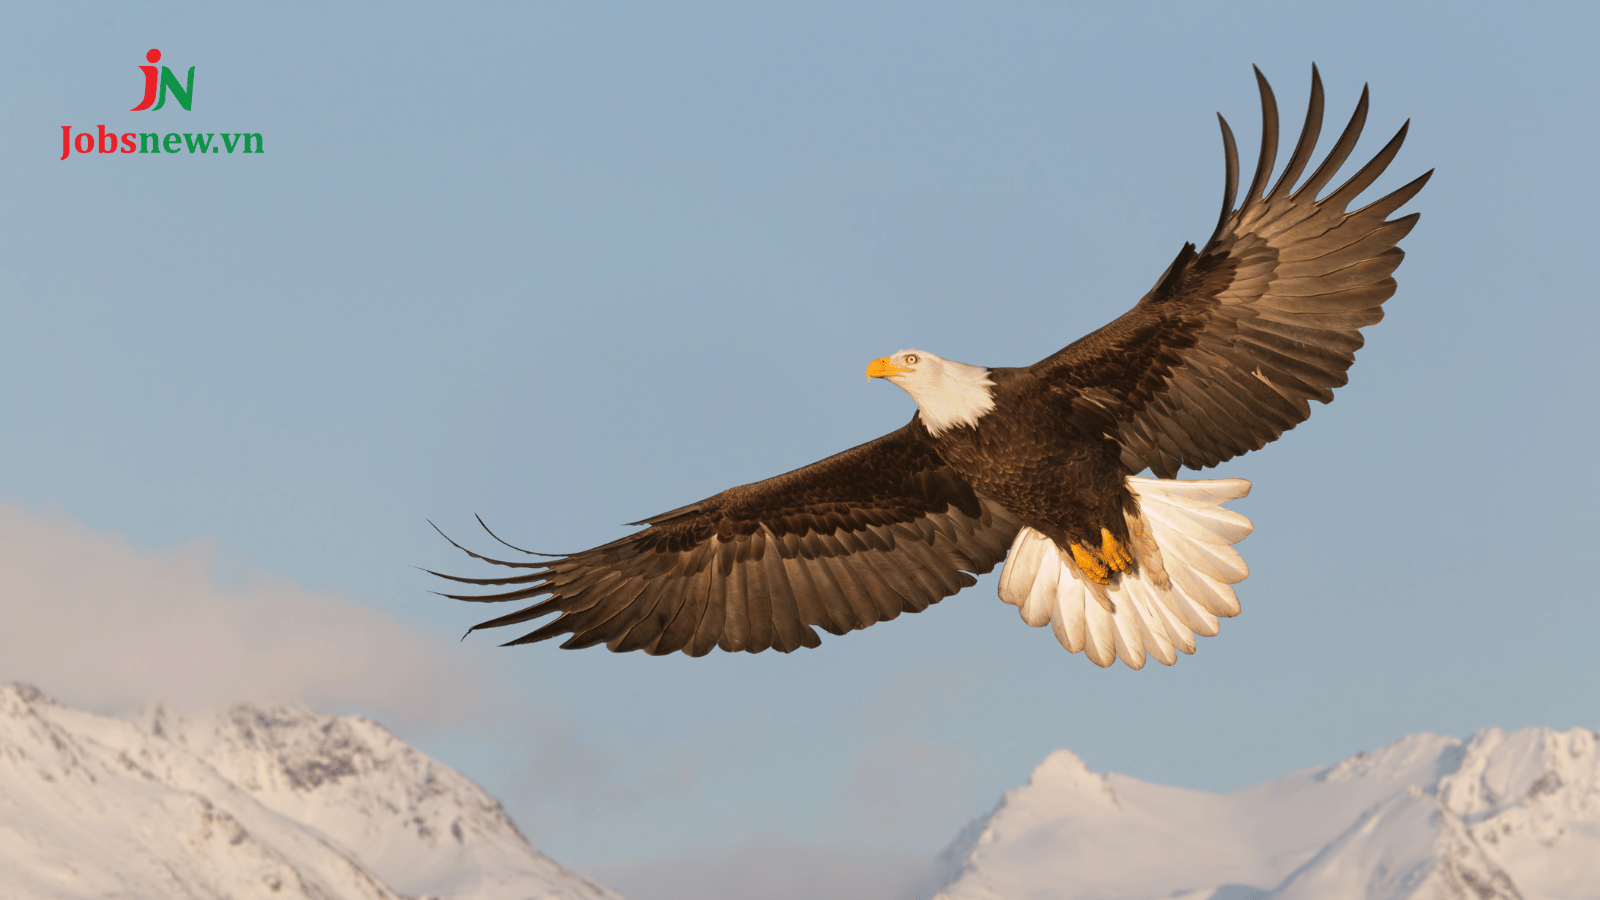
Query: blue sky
{"points": [[569, 265]]}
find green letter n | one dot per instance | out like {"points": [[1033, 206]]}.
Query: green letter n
{"points": [[184, 94]]}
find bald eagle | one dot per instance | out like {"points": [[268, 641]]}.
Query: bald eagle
{"points": [[1035, 466]]}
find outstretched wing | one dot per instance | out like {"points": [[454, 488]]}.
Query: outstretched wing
{"points": [[855, 539], [1224, 353]]}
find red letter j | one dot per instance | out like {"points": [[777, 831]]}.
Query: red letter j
{"points": [[66, 140], [150, 76]]}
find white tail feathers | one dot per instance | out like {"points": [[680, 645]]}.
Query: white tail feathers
{"points": [[1182, 541]]}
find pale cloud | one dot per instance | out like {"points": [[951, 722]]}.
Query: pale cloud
{"points": [[768, 867], [98, 623]]}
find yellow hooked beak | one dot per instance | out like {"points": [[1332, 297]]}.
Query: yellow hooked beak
{"points": [[882, 368]]}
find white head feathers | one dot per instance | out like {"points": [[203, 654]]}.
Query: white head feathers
{"points": [[948, 392]]}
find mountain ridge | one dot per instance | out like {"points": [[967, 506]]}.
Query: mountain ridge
{"points": [[1499, 816], [251, 801]]}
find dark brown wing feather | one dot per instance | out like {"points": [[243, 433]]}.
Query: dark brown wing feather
{"points": [[855, 539], [1225, 351]]}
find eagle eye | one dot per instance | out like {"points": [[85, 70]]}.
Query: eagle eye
{"points": [[911, 359]]}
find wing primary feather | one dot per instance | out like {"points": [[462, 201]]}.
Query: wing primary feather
{"points": [[1396, 199], [520, 579], [536, 611], [646, 618], [497, 537], [487, 559], [1368, 296], [651, 626], [524, 594], [1339, 274], [1344, 343], [568, 621], [1308, 137], [1368, 173], [1339, 153], [533, 637], [599, 623], [1269, 139], [1369, 244], [574, 600], [1230, 186]]}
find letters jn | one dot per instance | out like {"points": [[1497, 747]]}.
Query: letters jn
{"points": [[154, 85]]}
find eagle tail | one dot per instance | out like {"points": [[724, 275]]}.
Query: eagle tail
{"points": [[1182, 542]]}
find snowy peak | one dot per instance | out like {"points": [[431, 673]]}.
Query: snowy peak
{"points": [[1531, 800], [1532, 769], [1422, 758], [1404, 847], [421, 824], [82, 816], [1500, 817], [251, 802], [1064, 772]]}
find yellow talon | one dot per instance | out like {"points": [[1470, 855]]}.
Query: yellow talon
{"points": [[1099, 565], [1114, 553], [1091, 565]]}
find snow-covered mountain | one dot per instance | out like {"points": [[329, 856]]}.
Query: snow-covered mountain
{"points": [[1498, 817], [287, 803], [252, 802]]}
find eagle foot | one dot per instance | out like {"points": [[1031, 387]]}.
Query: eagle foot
{"points": [[1114, 553], [1091, 565], [1100, 565]]}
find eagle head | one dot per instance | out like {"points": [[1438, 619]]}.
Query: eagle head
{"points": [[949, 393]]}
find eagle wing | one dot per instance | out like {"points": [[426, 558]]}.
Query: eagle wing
{"points": [[858, 538], [1223, 354]]}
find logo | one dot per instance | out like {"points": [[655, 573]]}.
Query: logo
{"points": [[159, 85], [184, 93]]}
